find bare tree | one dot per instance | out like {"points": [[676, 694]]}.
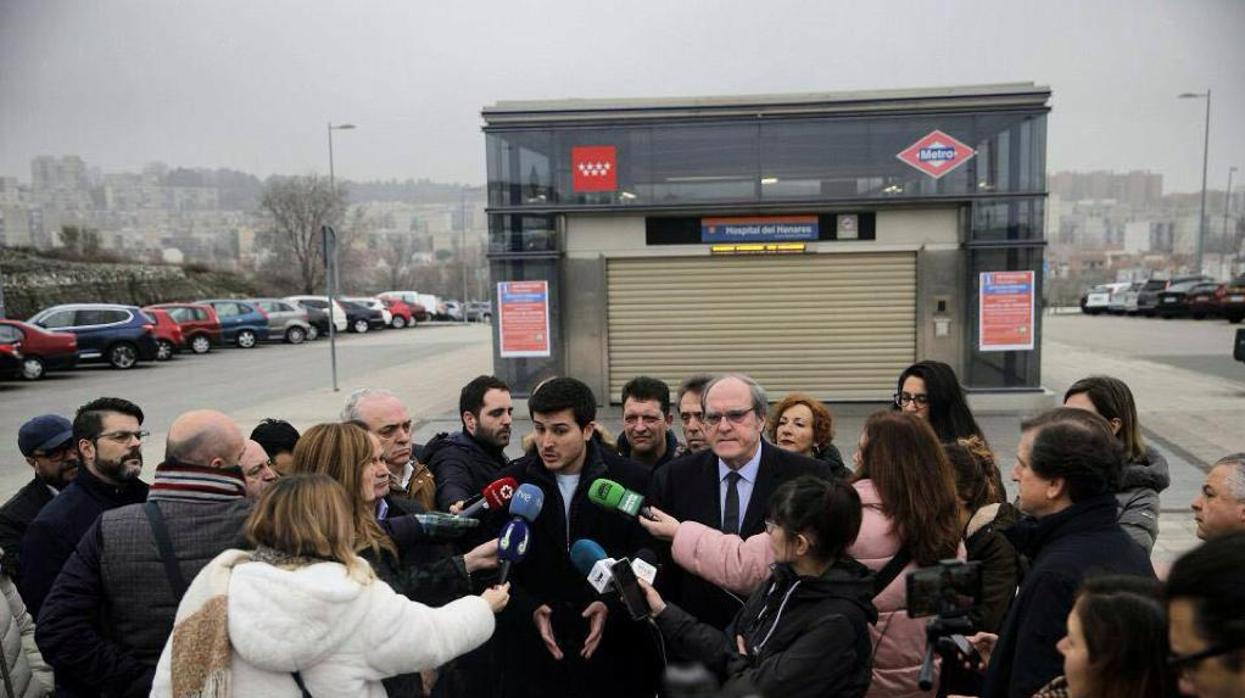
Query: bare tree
{"points": [[397, 251], [294, 209]]}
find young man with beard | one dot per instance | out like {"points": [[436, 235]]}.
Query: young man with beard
{"points": [[568, 640], [109, 438], [465, 462], [46, 442]]}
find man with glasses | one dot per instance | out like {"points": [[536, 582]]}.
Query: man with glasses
{"points": [[383, 414], [108, 435], [691, 413], [646, 437], [110, 611], [46, 442], [1205, 594], [727, 486]]}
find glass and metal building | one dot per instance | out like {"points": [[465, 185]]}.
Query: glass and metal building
{"points": [[820, 242]]}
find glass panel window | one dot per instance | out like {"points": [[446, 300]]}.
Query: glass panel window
{"points": [[10, 334], [1011, 219], [517, 233], [60, 318]]}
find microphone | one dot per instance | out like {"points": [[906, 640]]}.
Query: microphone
{"points": [[608, 494], [604, 572], [512, 545], [527, 502], [494, 496]]}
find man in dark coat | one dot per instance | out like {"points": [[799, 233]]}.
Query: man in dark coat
{"points": [[464, 463], [46, 442], [1067, 468], [647, 437], [567, 639], [727, 487], [111, 609], [108, 435]]}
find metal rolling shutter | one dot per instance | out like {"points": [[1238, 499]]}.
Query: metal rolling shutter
{"points": [[838, 326]]}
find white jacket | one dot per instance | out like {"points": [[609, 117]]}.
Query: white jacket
{"points": [[343, 636], [29, 674]]}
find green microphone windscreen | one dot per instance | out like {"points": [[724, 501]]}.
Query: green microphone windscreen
{"points": [[606, 493]]}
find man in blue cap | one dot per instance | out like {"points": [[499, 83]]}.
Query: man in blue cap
{"points": [[47, 444]]}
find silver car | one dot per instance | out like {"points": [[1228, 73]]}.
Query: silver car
{"points": [[285, 319]]}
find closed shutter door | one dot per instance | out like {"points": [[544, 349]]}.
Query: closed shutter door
{"points": [[837, 326]]}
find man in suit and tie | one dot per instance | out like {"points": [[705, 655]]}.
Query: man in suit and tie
{"points": [[727, 486]]}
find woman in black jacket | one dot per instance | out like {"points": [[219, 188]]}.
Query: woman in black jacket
{"points": [[804, 632]]}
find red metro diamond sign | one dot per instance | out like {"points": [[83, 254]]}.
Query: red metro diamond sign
{"points": [[594, 168], [936, 154]]}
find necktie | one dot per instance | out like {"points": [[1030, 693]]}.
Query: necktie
{"points": [[730, 513]]}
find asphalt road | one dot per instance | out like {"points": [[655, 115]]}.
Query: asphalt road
{"points": [[228, 379], [1204, 346]]}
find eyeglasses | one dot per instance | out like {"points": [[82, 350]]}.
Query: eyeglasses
{"points": [[1187, 662], [902, 399], [734, 416], [123, 437]]}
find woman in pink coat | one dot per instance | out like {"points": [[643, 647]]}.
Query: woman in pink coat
{"points": [[907, 488]]}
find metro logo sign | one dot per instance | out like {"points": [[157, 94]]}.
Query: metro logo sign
{"points": [[594, 168], [936, 154]]}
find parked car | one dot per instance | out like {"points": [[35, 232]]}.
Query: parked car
{"points": [[419, 311], [1125, 297], [10, 360], [317, 321], [1148, 296], [42, 351], [321, 303], [1205, 300], [373, 303], [1097, 299], [399, 311], [1238, 349], [428, 302], [169, 338], [480, 311], [199, 323], [117, 334], [360, 318], [1232, 303], [1174, 301], [450, 311], [241, 323], [286, 319]]}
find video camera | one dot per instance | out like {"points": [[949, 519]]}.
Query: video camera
{"points": [[948, 591]]}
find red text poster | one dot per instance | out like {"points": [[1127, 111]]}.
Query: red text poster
{"points": [[1005, 311], [523, 318]]}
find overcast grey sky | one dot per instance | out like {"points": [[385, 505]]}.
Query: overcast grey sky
{"points": [[249, 84]]}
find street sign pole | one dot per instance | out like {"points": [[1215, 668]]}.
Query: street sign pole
{"points": [[329, 239]]}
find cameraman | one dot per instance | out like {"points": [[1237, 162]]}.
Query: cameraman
{"points": [[1067, 466]]}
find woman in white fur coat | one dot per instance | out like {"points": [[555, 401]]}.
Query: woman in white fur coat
{"points": [[24, 673], [303, 615]]}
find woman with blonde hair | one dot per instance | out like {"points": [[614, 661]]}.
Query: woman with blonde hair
{"points": [[299, 615], [385, 535], [800, 424]]}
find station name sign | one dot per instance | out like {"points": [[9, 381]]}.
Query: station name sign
{"points": [[759, 229]]}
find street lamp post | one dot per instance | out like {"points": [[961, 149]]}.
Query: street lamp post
{"points": [[1227, 203], [1201, 221], [330, 258]]}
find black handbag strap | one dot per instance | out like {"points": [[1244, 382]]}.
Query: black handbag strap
{"points": [[165, 545], [887, 574], [298, 679]]}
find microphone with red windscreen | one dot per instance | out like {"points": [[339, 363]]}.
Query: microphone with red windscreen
{"points": [[494, 497]]}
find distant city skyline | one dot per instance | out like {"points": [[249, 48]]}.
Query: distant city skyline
{"points": [[251, 86]]}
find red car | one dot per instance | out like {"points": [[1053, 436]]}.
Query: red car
{"points": [[400, 312], [418, 312], [10, 359], [42, 351], [199, 323], [169, 338]]}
